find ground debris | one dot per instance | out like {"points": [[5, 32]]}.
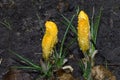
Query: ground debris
{"points": [[64, 75], [62, 6], [1, 60], [101, 73], [14, 74]]}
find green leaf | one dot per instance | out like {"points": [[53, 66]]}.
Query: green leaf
{"points": [[87, 73], [67, 22], [26, 67], [82, 66], [94, 31], [65, 34], [96, 25], [6, 24], [26, 60], [73, 40]]}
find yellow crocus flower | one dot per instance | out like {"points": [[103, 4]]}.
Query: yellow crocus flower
{"points": [[83, 31], [49, 40]]}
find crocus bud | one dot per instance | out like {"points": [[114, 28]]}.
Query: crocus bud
{"points": [[49, 40], [83, 31]]}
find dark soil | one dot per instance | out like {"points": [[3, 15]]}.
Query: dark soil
{"points": [[25, 20]]}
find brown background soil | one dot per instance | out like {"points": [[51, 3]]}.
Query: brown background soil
{"points": [[25, 32]]}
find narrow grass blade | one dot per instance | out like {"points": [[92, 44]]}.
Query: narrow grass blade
{"points": [[26, 60], [96, 25], [69, 22], [6, 24], [87, 72], [82, 66], [64, 37], [40, 24], [94, 30], [26, 67], [68, 45]]}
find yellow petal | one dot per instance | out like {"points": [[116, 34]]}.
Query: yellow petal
{"points": [[83, 31], [49, 40]]}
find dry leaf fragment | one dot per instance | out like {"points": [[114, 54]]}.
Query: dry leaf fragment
{"points": [[1, 59], [83, 31], [64, 75], [62, 6], [14, 74], [101, 73], [68, 67]]}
